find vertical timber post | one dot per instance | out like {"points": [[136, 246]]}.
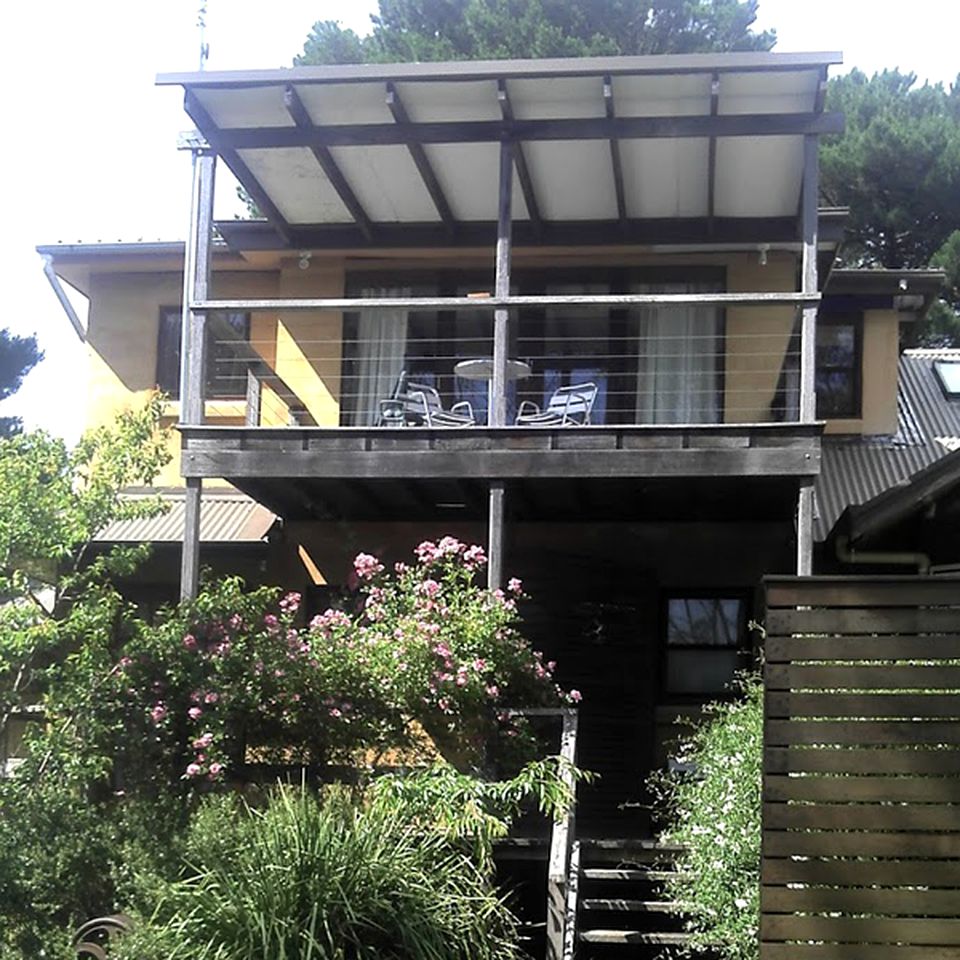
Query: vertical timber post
{"points": [[497, 415], [193, 352], [808, 332]]}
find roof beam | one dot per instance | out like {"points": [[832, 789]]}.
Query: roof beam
{"points": [[519, 158], [296, 109], [402, 125], [197, 112], [712, 155], [415, 135], [611, 112]]}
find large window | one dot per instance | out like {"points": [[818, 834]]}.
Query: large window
{"points": [[838, 367], [705, 637], [226, 367]]}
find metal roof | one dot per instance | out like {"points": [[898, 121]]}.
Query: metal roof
{"points": [[226, 516], [855, 470], [356, 150]]}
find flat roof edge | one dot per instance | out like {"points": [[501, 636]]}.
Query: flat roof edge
{"points": [[495, 69]]}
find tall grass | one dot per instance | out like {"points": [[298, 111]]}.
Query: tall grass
{"points": [[331, 878]]}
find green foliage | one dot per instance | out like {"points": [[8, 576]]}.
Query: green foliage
{"points": [[422, 30], [403, 870], [715, 813], [18, 356], [897, 167]]}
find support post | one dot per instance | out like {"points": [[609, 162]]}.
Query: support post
{"points": [[808, 333], [497, 402], [193, 350], [495, 535]]}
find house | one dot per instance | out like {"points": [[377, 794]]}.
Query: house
{"points": [[447, 248]]}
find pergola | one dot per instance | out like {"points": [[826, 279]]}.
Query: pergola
{"points": [[668, 152]]}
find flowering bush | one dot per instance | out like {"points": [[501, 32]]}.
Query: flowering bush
{"points": [[424, 648], [715, 814]]}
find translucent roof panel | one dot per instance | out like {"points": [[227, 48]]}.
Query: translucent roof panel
{"points": [[948, 373]]}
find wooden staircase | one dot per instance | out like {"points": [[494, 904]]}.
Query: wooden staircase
{"points": [[616, 896]]}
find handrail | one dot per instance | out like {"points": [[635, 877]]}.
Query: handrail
{"points": [[561, 835], [769, 298]]}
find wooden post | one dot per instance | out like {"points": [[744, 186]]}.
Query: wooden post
{"points": [[497, 414], [193, 351], [495, 535], [808, 333]]}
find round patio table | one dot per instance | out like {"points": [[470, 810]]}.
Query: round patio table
{"points": [[481, 368]]}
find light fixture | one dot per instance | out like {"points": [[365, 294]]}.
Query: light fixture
{"points": [[305, 256], [763, 251]]}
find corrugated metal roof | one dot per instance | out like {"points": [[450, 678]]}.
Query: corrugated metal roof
{"points": [[854, 471], [225, 517]]}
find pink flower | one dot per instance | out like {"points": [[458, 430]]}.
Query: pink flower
{"points": [[429, 588], [574, 696], [125, 662], [202, 742], [479, 664], [270, 621], [211, 698], [450, 546], [291, 602], [215, 769], [427, 552], [442, 650], [515, 586], [366, 566], [158, 712], [194, 713], [474, 556], [493, 690], [235, 621], [190, 642], [334, 712], [194, 770], [400, 567]]}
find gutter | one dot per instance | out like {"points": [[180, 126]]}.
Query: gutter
{"points": [[51, 275], [846, 554]]}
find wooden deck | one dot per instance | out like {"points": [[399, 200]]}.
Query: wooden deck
{"points": [[504, 453]]}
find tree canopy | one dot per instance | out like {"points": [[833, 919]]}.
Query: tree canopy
{"points": [[421, 30], [18, 356], [897, 166]]}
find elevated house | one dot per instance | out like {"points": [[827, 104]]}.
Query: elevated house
{"points": [[567, 309]]}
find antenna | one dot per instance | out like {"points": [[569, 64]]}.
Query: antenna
{"points": [[202, 27]]}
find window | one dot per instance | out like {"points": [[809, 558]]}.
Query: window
{"points": [[948, 373], [705, 637], [838, 368], [226, 367]]}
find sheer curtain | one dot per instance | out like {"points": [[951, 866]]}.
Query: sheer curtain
{"points": [[381, 348], [678, 378]]}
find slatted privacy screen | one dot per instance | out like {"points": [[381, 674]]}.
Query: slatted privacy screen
{"points": [[861, 792]]}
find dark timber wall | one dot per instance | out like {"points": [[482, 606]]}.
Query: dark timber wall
{"points": [[861, 792]]}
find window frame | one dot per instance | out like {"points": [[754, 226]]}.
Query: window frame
{"points": [[168, 356], [855, 322], [743, 647]]}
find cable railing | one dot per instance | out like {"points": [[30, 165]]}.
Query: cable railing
{"points": [[672, 368]]}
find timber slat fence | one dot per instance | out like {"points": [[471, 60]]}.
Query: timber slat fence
{"points": [[861, 783]]}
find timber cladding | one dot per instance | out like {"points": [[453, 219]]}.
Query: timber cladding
{"points": [[861, 782]]}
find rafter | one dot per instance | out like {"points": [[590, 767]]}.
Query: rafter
{"points": [[296, 109], [415, 135], [197, 112], [520, 160], [419, 156]]}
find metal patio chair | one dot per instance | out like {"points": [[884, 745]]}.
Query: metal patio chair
{"points": [[567, 407]]}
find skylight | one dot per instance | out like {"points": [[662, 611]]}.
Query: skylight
{"points": [[948, 372]]}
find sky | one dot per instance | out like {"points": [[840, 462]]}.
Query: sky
{"points": [[91, 141]]}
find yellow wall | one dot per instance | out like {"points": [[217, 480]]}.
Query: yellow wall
{"points": [[878, 377]]}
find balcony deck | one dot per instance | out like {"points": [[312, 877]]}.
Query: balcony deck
{"points": [[414, 472]]}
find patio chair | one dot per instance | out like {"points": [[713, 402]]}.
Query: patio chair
{"points": [[426, 403], [568, 407]]}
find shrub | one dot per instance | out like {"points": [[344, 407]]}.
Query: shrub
{"points": [[715, 813]]}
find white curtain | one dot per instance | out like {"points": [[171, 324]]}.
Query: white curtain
{"points": [[381, 348], [678, 376]]}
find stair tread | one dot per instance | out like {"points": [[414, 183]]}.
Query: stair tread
{"points": [[630, 843], [626, 873], [634, 906], [632, 936]]}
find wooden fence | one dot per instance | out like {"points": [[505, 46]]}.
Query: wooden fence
{"points": [[861, 791]]}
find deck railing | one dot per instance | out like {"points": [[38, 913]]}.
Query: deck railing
{"points": [[643, 358]]}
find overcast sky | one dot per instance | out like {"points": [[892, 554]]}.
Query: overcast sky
{"points": [[91, 141]]}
